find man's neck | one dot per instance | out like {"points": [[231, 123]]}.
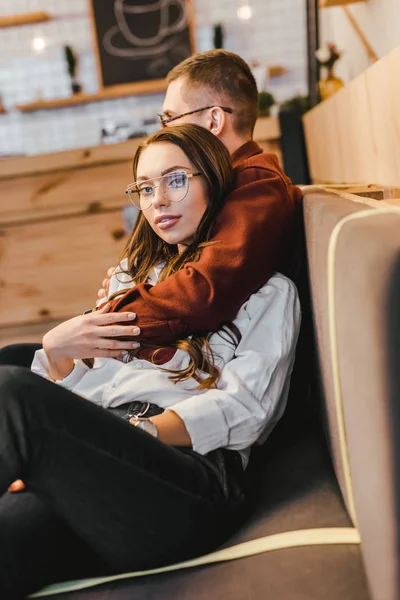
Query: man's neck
{"points": [[234, 142]]}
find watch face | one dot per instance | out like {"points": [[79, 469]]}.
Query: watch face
{"points": [[148, 427]]}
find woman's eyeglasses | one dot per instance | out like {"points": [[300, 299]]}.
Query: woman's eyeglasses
{"points": [[165, 120], [173, 186]]}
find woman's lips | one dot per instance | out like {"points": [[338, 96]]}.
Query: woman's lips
{"points": [[167, 222]]}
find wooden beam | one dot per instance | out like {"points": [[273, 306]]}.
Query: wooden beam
{"points": [[371, 54], [328, 3]]}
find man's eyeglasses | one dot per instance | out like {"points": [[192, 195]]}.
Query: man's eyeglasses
{"points": [[173, 186], [165, 120]]}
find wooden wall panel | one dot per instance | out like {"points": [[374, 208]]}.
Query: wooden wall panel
{"points": [[72, 192], [354, 136], [383, 94], [52, 269]]}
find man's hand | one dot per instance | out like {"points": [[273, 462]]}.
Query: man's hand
{"points": [[103, 291], [91, 336], [17, 486]]}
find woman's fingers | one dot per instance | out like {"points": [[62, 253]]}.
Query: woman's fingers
{"points": [[103, 310], [102, 317], [114, 331], [117, 345], [105, 284], [100, 353]]}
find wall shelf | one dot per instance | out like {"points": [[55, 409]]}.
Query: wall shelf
{"points": [[327, 3], [119, 91], [24, 19]]}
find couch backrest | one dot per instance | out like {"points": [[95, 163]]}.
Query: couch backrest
{"points": [[354, 262]]}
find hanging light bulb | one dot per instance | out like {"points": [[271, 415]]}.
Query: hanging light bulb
{"points": [[38, 44], [244, 12]]}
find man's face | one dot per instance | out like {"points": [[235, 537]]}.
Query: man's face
{"points": [[178, 102]]}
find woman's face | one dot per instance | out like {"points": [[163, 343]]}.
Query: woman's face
{"points": [[173, 221]]}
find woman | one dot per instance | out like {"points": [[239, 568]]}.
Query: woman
{"points": [[156, 477]]}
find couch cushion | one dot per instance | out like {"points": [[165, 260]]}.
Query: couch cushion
{"points": [[292, 487], [366, 305], [322, 212]]}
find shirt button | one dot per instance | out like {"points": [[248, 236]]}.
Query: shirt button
{"points": [[114, 384], [137, 364]]}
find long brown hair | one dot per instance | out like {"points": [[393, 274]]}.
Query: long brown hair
{"points": [[210, 157], [145, 249]]}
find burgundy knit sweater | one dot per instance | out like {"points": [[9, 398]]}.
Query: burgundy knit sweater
{"points": [[254, 231]]}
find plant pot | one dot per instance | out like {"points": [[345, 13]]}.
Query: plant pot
{"points": [[329, 85], [76, 86]]}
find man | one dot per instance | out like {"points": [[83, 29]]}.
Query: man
{"points": [[217, 90]]}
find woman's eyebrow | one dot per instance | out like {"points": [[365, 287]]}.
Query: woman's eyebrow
{"points": [[169, 170], [174, 168]]}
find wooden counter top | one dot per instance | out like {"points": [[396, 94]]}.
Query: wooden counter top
{"points": [[267, 128]]}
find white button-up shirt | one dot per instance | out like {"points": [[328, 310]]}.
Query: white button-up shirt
{"points": [[251, 392]]}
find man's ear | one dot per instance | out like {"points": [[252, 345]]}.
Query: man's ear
{"points": [[217, 120]]}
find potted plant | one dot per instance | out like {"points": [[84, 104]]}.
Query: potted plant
{"points": [[265, 102], [327, 58], [218, 38], [72, 63], [294, 152]]}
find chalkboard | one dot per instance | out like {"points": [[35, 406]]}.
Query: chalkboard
{"points": [[140, 40]]}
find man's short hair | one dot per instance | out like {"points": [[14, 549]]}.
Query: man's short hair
{"points": [[224, 79]]}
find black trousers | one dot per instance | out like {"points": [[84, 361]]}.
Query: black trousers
{"points": [[102, 496], [19, 355]]}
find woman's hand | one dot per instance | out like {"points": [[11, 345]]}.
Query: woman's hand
{"points": [[91, 336], [105, 285]]}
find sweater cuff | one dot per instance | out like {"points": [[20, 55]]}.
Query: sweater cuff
{"points": [[204, 422]]}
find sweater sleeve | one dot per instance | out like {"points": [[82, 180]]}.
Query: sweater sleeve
{"points": [[252, 229]]}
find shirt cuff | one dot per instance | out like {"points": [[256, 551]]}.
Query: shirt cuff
{"points": [[71, 380], [40, 366], [204, 421]]}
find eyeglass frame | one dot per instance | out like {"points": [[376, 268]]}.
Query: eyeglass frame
{"points": [[165, 120], [129, 189]]}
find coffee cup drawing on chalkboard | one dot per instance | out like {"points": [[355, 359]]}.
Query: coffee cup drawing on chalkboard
{"points": [[139, 40]]}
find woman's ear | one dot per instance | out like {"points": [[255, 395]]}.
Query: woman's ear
{"points": [[216, 122]]}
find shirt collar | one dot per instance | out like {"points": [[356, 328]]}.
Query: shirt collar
{"points": [[248, 149]]}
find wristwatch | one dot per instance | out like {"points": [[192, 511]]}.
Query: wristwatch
{"points": [[146, 425]]}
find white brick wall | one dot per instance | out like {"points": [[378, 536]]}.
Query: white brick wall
{"points": [[275, 35]]}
